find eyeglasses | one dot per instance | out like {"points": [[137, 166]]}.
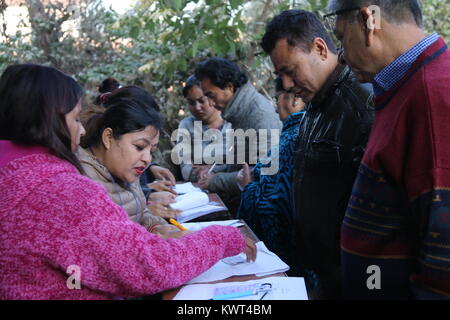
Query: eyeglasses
{"points": [[330, 24], [331, 18]]}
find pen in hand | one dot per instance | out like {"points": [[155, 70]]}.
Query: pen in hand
{"points": [[214, 164], [212, 168]]}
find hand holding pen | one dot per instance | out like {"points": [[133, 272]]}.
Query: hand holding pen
{"points": [[212, 168]]}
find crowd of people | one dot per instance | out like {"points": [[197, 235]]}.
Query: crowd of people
{"points": [[358, 134]]}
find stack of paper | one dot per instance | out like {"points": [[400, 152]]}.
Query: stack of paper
{"points": [[194, 204], [190, 200], [196, 226], [266, 263], [187, 187], [283, 288]]}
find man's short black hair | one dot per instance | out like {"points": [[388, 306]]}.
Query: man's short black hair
{"points": [[221, 72], [299, 28]]}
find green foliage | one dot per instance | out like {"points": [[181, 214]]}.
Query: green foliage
{"points": [[158, 43], [90, 49], [436, 13]]}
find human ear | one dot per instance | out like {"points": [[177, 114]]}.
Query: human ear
{"points": [[107, 138], [230, 87], [321, 48], [371, 21]]}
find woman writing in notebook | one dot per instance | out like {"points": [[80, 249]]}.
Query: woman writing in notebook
{"points": [[117, 150], [110, 90], [159, 194], [55, 220]]}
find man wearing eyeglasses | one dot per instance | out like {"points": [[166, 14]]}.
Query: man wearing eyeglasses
{"points": [[396, 217], [330, 145]]}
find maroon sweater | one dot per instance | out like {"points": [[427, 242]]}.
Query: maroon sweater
{"points": [[398, 217]]}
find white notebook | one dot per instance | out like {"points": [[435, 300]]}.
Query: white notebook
{"points": [[182, 188], [190, 200], [194, 204]]}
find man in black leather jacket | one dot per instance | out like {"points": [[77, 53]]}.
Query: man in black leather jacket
{"points": [[330, 145]]}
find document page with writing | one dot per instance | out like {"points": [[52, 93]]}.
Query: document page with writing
{"points": [[282, 288], [266, 263]]}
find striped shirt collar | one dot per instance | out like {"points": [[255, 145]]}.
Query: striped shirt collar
{"points": [[390, 75]]}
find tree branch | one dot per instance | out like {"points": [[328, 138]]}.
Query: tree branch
{"points": [[258, 24]]}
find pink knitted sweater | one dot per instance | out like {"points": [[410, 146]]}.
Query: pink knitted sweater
{"points": [[52, 218]]}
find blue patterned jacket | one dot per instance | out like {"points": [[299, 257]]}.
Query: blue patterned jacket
{"points": [[266, 203]]}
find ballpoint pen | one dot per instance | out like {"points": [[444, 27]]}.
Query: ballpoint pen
{"points": [[212, 167], [235, 295], [214, 164]]}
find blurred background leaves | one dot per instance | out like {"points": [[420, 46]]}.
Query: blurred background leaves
{"points": [[155, 44]]}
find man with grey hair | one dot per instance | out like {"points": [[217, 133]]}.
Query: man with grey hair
{"points": [[395, 237]]}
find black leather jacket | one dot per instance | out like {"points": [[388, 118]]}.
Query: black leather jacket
{"points": [[331, 143]]}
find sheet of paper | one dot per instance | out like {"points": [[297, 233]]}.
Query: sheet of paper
{"points": [[190, 200], [266, 262], [196, 226], [283, 288], [187, 187], [188, 215]]}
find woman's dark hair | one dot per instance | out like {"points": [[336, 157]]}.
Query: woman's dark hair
{"points": [[34, 102], [107, 86], [221, 72], [192, 81], [123, 115], [138, 94], [279, 85], [299, 28]]}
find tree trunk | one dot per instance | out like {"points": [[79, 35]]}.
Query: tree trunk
{"points": [[259, 23], [3, 7], [45, 28]]}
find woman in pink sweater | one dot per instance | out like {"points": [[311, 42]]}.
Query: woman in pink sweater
{"points": [[55, 222]]}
